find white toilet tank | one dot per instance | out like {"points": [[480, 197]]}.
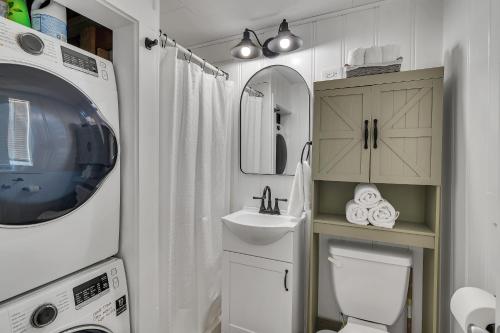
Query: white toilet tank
{"points": [[370, 281]]}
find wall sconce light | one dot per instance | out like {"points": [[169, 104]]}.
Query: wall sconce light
{"points": [[284, 42]]}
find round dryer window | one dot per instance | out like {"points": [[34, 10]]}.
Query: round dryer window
{"points": [[55, 147], [88, 329]]}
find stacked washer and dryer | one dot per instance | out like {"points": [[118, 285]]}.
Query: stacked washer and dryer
{"points": [[59, 188]]}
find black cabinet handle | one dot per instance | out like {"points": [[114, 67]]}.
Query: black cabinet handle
{"points": [[366, 134], [285, 280], [375, 134]]}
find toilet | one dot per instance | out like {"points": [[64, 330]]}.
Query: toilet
{"points": [[370, 283]]}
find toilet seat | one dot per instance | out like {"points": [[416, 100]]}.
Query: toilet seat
{"points": [[359, 326]]}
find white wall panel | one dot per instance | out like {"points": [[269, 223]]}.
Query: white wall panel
{"points": [[394, 28], [359, 30], [329, 48], [428, 23], [471, 52]]}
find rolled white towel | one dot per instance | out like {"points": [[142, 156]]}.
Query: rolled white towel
{"points": [[356, 57], [367, 195], [383, 215], [390, 52], [373, 55], [356, 213]]}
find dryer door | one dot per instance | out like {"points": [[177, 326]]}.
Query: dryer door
{"points": [[88, 329], [56, 148]]}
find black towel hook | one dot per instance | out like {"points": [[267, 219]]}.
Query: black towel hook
{"points": [[307, 145]]}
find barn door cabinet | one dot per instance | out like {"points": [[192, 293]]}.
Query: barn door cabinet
{"points": [[384, 129]]}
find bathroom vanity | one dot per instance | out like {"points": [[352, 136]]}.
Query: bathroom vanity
{"points": [[384, 129], [263, 273]]}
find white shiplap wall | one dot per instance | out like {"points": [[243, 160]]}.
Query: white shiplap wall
{"points": [[471, 47], [414, 24]]}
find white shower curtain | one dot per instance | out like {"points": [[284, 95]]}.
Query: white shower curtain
{"points": [[251, 127], [195, 127]]}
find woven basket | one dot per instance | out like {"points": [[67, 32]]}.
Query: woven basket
{"points": [[392, 67]]}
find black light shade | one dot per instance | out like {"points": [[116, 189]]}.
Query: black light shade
{"points": [[246, 49], [285, 41]]}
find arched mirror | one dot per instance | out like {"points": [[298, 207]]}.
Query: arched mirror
{"points": [[274, 121]]}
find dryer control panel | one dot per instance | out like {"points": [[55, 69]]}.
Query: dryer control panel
{"points": [[79, 61]]}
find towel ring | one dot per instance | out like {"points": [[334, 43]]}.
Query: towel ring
{"points": [[307, 145]]}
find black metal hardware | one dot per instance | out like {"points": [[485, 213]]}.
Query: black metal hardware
{"points": [[285, 280], [262, 208], [276, 209], [150, 43], [308, 145], [375, 134], [366, 134]]}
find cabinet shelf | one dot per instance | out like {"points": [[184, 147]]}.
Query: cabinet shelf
{"points": [[404, 233]]}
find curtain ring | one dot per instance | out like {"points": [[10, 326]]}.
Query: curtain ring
{"points": [[190, 56], [217, 73], [204, 64]]}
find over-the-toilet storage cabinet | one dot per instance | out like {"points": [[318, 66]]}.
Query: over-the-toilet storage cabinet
{"points": [[405, 116], [384, 129]]}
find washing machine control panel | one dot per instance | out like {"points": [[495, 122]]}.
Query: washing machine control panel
{"points": [[79, 61], [90, 290]]}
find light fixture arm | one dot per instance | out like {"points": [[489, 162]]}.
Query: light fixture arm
{"points": [[255, 34]]}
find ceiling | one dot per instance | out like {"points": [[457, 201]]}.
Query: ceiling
{"points": [[193, 22]]}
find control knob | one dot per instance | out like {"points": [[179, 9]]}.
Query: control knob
{"points": [[44, 315], [31, 43]]}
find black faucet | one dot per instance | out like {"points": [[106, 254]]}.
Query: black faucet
{"points": [[263, 209], [269, 209]]}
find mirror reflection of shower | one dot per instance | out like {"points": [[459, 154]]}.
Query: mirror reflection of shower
{"points": [[274, 121]]}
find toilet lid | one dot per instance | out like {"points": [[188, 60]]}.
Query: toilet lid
{"points": [[356, 328]]}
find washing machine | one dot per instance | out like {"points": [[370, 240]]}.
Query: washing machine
{"points": [[94, 300], [59, 159]]}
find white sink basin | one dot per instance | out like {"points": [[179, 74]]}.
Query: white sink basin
{"points": [[259, 229]]}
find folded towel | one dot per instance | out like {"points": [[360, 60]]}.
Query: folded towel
{"points": [[367, 195], [300, 194], [390, 53], [383, 215], [356, 57], [373, 55], [356, 213]]}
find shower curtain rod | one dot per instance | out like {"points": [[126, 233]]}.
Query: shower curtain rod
{"points": [[253, 91], [190, 56]]}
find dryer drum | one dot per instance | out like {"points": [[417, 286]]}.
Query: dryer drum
{"points": [[55, 146]]}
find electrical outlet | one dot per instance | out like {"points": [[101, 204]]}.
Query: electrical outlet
{"points": [[331, 74]]}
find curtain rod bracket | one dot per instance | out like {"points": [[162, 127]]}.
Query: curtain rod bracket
{"points": [[150, 43]]}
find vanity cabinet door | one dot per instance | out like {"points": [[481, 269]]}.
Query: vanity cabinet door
{"points": [[341, 120], [255, 296], [407, 119]]}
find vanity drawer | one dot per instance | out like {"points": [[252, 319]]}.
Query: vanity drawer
{"points": [[280, 250]]}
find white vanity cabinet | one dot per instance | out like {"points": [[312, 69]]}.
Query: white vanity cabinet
{"points": [[263, 285]]}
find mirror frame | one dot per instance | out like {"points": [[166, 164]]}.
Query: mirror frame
{"points": [[241, 100]]}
